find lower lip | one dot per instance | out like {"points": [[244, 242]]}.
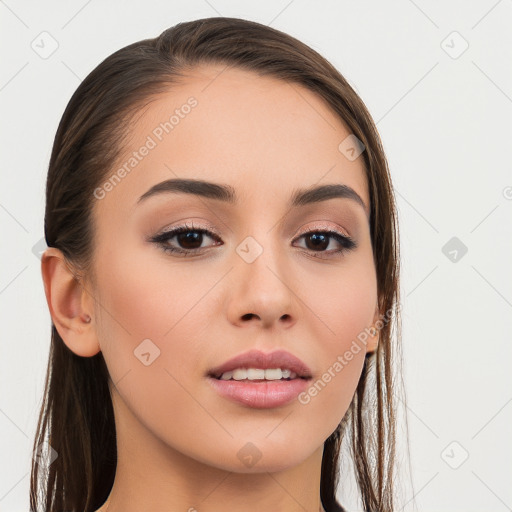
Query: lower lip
{"points": [[260, 395]]}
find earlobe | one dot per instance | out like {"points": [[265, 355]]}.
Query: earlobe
{"points": [[68, 304], [372, 341]]}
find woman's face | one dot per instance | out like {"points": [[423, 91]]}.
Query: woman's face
{"points": [[164, 320]]}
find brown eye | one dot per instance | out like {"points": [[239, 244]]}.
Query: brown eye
{"points": [[319, 241], [188, 239]]}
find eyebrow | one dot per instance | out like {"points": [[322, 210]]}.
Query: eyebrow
{"points": [[226, 193]]}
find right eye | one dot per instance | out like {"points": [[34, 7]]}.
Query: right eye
{"points": [[189, 237]]}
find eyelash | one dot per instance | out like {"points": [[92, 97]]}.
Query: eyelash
{"points": [[345, 241]]}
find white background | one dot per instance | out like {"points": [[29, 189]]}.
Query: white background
{"points": [[446, 124]]}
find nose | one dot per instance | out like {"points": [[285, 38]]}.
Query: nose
{"points": [[261, 289]]}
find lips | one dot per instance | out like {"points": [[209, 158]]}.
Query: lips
{"points": [[257, 359]]}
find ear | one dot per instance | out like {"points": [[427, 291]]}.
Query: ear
{"points": [[69, 303], [373, 341]]}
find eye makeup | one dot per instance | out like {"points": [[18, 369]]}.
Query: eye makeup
{"points": [[315, 237]]}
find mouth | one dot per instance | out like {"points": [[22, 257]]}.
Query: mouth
{"points": [[251, 375], [255, 365], [259, 393], [261, 381]]}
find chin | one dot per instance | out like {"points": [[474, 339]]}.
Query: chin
{"points": [[253, 458]]}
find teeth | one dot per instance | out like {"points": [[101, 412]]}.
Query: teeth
{"points": [[258, 374], [239, 374], [273, 374]]}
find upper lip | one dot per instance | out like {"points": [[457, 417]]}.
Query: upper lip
{"points": [[257, 359]]}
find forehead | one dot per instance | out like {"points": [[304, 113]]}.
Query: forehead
{"points": [[262, 135]]}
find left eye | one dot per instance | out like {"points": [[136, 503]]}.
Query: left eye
{"points": [[321, 240], [190, 239]]}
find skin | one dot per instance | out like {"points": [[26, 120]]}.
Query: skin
{"points": [[177, 438]]}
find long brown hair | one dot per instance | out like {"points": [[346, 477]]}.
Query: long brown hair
{"points": [[76, 418]]}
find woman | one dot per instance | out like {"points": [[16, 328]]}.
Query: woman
{"points": [[222, 276]]}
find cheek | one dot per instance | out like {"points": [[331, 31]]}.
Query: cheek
{"points": [[145, 295], [139, 300], [147, 329], [344, 304], [345, 307]]}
